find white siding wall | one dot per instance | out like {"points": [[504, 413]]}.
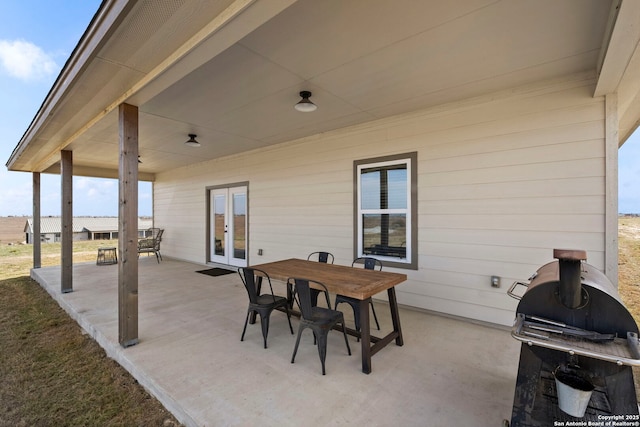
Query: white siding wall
{"points": [[502, 181]]}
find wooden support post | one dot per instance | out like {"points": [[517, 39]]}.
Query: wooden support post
{"points": [[66, 172], [37, 243], [128, 227], [611, 143]]}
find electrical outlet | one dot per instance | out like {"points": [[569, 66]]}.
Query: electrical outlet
{"points": [[495, 281]]}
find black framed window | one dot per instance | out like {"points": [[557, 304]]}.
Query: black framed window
{"points": [[385, 209]]}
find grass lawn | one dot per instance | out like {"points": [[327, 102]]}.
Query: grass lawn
{"points": [[51, 373]]}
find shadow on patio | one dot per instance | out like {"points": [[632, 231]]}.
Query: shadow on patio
{"points": [[449, 372]]}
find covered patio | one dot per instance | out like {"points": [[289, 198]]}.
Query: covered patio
{"points": [[501, 121], [449, 372]]}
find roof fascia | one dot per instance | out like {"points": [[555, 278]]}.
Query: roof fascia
{"points": [[94, 172], [619, 45], [110, 13]]}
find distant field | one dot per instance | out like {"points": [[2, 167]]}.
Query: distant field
{"points": [[629, 263], [12, 229]]}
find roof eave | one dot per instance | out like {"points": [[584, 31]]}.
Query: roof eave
{"points": [[105, 19], [620, 64], [619, 46]]}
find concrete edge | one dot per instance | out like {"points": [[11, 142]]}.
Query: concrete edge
{"points": [[117, 353]]}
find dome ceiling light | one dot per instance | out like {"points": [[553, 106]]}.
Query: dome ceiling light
{"points": [[305, 105]]}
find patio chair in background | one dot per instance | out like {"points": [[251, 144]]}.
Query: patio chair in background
{"points": [[325, 257], [261, 304], [319, 319], [151, 243], [370, 264]]}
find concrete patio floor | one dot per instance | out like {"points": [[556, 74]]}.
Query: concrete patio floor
{"points": [[448, 373]]}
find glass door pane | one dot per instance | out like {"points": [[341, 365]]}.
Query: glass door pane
{"points": [[219, 225], [239, 225]]}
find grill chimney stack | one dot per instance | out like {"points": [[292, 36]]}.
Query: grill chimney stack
{"points": [[570, 263]]}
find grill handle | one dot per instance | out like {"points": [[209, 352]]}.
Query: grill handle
{"points": [[511, 292]]}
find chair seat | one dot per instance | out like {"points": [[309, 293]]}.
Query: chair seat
{"points": [[325, 316], [268, 300], [344, 298]]}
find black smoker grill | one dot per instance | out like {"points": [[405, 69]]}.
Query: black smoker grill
{"points": [[572, 324]]}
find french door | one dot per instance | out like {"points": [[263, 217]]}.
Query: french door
{"points": [[228, 226]]}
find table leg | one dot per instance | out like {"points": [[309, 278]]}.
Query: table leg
{"points": [[395, 316], [365, 335]]}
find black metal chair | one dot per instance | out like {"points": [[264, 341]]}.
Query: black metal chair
{"points": [[370, 264], [319, 319], [261, 304], [325, 257]]}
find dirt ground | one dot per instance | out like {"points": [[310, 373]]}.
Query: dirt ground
{"points": [[629, 226]]}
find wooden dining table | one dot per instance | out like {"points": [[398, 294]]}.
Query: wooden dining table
{"points": [[353, 282]]}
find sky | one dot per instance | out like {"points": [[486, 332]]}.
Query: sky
{"points": [[629, 175], [36, 38]]}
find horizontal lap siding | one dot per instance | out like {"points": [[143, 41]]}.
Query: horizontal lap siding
{"points": [[496, 196], [502, 180], [179, 209]]}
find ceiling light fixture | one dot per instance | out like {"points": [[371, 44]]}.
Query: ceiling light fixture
{"points": [[305, 105], [192, 141]]}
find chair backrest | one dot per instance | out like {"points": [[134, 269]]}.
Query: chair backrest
{"points": [[152, 232], [157, 239], [303, 289], [325, 257], [368, 262], [248, 277]]}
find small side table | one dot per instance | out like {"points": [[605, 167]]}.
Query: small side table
{"points": [[107, 256]]}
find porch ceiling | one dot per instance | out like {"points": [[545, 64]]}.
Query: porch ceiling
{"points": [[230, 71]]}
